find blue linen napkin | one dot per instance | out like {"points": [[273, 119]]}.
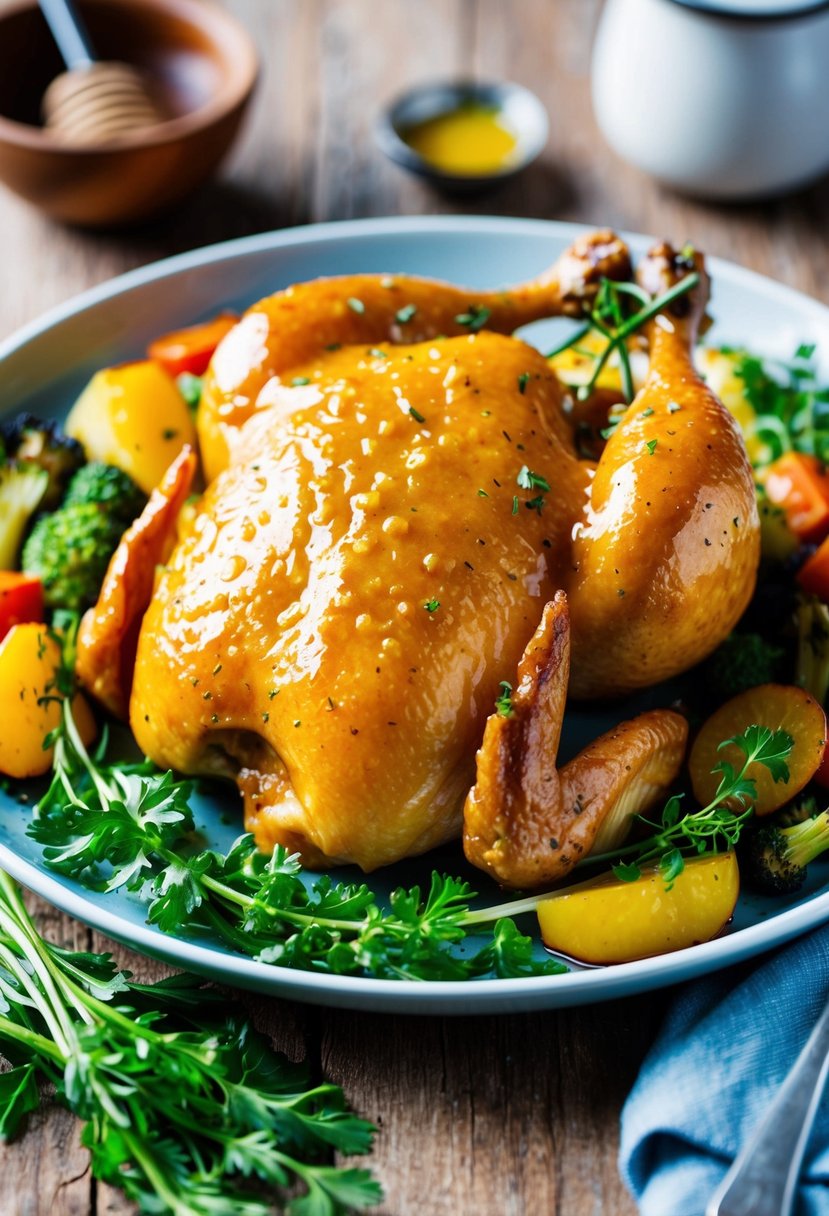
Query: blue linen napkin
{"points": [[726, 1045]]}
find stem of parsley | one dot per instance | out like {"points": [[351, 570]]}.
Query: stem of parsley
{"points": [[184, 1104]]}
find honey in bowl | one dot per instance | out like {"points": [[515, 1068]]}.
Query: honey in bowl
{"points": [[473, 139]]}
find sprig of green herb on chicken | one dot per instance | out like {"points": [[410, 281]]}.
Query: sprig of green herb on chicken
{"points": [[618, 313]]}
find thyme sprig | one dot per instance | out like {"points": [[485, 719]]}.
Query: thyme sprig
{"points": [[615, 316]]}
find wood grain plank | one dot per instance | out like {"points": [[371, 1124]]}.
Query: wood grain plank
{"points": [[507, 1116], [369, 53]]}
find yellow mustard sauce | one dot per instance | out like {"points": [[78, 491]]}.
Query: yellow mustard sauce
{"points": [[470, 140]]}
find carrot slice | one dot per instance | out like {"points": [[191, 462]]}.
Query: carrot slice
{"points": [[813, 575], [190, 350], [21, 600], [800, 485], [778, 707]]}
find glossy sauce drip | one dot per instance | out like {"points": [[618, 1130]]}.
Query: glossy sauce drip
{"points": [[470, 140]]}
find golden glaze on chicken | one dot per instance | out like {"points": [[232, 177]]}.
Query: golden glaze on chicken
{"points": [[366, 564]]}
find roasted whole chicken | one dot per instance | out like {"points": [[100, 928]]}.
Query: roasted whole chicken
{"points": [[397, 520]]}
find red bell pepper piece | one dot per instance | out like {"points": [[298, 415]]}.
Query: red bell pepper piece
{"points": [[21, 600], [190, 350]]}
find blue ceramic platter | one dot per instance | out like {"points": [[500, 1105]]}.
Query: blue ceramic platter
{"points": [[42, 369]]}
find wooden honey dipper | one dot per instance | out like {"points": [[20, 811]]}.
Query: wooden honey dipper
{"points": [[94, 101]]}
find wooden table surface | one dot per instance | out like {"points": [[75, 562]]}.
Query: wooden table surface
{"points": [[497, 1116]]}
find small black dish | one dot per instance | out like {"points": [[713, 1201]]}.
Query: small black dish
{"points": [[523, 112]]}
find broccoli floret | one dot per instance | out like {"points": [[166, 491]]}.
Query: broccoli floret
{"points": [[69, 552], [104, 483], [743, 661], [22, 487], [796, 812], [813, 648], [774, 859], [33, 441]]}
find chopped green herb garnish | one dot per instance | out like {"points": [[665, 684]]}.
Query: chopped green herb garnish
{"points": [[651, 446], [356, 305], [432, 605], [483, 494], [405, 314], [503, 702], [523, 381], [475, 319], [298, 381], [528, 480], [416, 414]]}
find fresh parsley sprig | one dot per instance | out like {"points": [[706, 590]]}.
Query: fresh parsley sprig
{"points": [[790, 402], [186, 1107], [714, 827]]}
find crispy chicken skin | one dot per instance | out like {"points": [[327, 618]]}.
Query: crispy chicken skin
{"points": [[527, 822], [366, 566], [290, 630]]}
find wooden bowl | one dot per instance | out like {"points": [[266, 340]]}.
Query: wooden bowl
{"points": [[202, 64]]}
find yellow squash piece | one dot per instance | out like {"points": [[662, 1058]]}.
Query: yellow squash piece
{"points": [[29, 659], [606, 920], [134, 417]]}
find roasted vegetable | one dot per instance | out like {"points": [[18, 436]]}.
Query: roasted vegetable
{"points": [[813, 648], [21, 600], [104, 483], [813, 575], [69, 552], [608, 920], [22, 487], [190, 350], [134, 417], [30, 657], [774, 859], [800, 485], [30, 440], [742, 661], [790, 712]]}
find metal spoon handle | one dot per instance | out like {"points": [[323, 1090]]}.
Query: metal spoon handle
{"points": [[69, 32], [763, 1179]]}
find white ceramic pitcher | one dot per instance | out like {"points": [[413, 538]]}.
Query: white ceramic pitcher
{"points": [[723, 99]]}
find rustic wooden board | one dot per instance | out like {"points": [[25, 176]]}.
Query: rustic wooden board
{"points": [[509, 1116]]}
